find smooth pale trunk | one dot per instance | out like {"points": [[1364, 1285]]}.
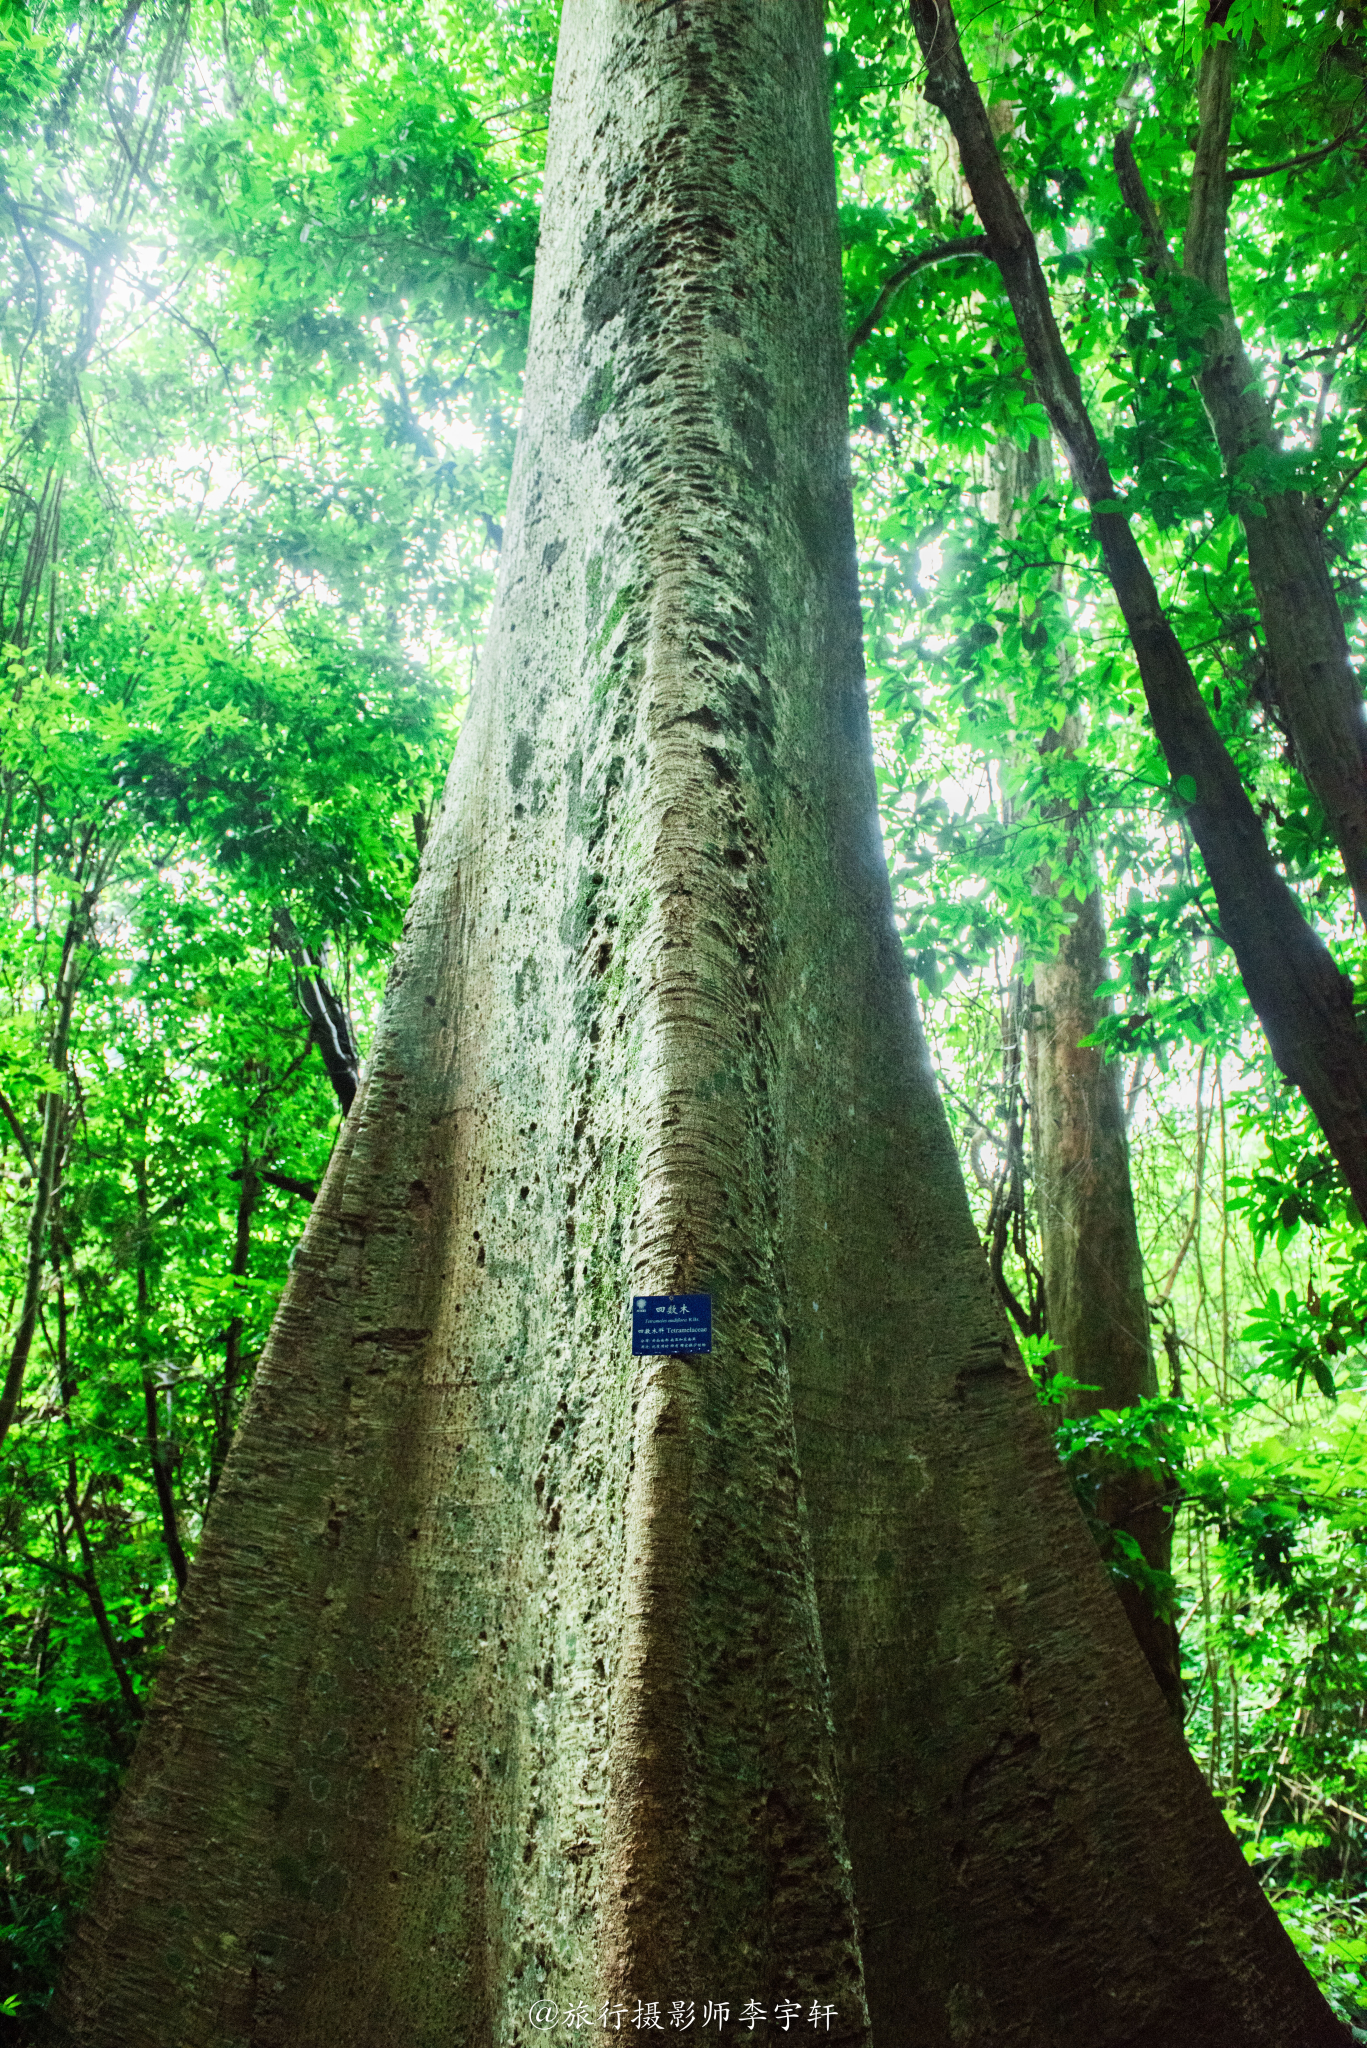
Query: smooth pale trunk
{"points": [[501, 1675]]}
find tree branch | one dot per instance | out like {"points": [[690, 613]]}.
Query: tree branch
{"points": [[48, 1170], [1135, 194], [329, 1024], [307, 1190], [250, 1177], [1341, 493], [1304, 1003], [91, 1586], [7, 1111], [1295, 163], [962, 245]]}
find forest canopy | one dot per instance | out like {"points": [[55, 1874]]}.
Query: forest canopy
{"points": [[265, 281]]}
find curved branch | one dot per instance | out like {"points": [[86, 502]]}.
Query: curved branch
{"points": [[1295, 163], [962, 245]]}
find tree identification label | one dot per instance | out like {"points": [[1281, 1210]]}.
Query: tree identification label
{"points": [[666, 1325]]}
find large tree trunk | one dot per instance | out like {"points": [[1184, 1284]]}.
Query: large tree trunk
{"points": [[500, 1675]]}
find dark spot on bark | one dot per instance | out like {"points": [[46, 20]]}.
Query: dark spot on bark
{"points": [[330, 1889], [1005, 1750], [551, 553], [581, 915], [522, 759], [595, 403], [605, 295], [821, 520], [748, 402], [990, 1364], [618, 273], [527, 980], [293, 1879]]}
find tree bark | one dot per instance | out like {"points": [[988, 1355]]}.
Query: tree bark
{"points": [[1093, 1267], [1310, 672], [1095, 1305], [330, 1027], [502, 1673], [1302, 1000]]}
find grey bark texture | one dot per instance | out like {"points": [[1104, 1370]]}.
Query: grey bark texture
{"points": [[503, 1671], [1094, 1296], [1310, 675]]}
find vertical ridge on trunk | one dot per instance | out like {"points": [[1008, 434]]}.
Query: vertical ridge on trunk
{"points": [[500, 1676]]}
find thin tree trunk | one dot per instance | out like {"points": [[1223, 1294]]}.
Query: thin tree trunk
{"points": [[1095, 1304], [88, 1578], [90, 1584], [1093, 1268], [502, 1672], [249, 1186], [49, 1169], [1310, 672], [162, 1476], [1302, 1000]]}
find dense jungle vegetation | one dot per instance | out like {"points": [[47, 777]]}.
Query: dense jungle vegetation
{"points": [[264, 281]]}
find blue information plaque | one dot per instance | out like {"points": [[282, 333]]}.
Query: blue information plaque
{"points": [[668, 1325]]}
